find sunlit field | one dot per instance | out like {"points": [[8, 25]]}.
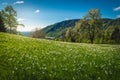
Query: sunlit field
{"points": [[23, 58]]}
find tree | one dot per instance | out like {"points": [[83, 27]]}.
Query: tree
{"points": [[10, 18], [116, 35], [91, 25], [69, 35], [38, 33], [2, 26]]}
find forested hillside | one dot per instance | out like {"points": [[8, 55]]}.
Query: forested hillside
{"points": [[57, 29]]}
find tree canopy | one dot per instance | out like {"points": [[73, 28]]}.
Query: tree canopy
{"points": [[89, 28], [10, 19], [2, 26]]}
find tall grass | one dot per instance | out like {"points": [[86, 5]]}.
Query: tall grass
{"points": [[23, 58]]}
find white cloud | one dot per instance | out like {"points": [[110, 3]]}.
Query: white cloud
{"points": [[4, 3], [37, 11], [19, 2], [20, 19], [118, 16], [117, 8]]}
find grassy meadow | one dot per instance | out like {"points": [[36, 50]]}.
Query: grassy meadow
{"points": [[23, 58]]}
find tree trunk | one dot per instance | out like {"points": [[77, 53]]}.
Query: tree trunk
{"points": [[91, 40], [92, 37]]}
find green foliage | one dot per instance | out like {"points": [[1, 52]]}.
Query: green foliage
{"points": [[23, 58], [68, 34], [90, 27], [93, 29], [2, 25], [71, 35], [116, 35], [10, 19]]}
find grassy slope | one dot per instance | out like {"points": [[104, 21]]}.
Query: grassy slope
{"points": [[23, 58]]}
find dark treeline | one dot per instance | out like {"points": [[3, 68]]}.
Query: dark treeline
{"points": [[8, 20], [91, 29]]}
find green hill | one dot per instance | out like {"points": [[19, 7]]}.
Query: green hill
{"points": [[58, 29], [23, 58]]}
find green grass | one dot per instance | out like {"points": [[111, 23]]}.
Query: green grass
{"points": [[23, 58]]}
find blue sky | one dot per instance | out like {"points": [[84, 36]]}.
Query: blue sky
{"points": [[40, 13]]}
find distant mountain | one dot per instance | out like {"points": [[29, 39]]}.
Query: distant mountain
{"points": [[26, 33], [57, 29]]}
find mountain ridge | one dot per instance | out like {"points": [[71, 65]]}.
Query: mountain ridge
{"points": [[57, 29]]}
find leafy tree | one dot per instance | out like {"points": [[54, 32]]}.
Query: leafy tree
{"points": [[68, 34], [91, 26], [82, 30], [75, 36], [38, 33], [71, 35], [10, 18], [2, 26]]}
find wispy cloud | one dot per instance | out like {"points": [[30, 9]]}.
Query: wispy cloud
{"points": [[4, 3], [117, 8], [37, 11], [20, 19], [19, 2]]}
